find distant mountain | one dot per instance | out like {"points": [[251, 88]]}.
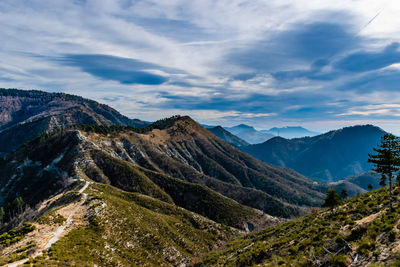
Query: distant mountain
{"points": [[328, 157], [290, 132], [249, 134], [25, 115], [228, 137]]}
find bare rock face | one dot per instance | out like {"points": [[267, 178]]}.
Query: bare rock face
{"points": [[25, 115]]}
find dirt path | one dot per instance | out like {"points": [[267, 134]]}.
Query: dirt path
{"points": [[60, 230]]}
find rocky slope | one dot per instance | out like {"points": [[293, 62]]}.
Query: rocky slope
{"points": [[25, 115], [328, 157]]}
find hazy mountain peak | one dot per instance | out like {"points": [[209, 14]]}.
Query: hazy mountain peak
{"points": [[244, 127], [291, 131]]}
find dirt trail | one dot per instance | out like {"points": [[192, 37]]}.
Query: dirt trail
{"points": [[60, 230]]}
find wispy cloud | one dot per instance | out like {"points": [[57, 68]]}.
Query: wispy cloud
{"points": [[223, 62]]}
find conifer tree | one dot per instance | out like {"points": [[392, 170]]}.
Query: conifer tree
{"points": [[332, 198], [344, 194], [387, 160]]}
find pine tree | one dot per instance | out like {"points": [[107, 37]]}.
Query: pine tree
{"points": [[344, 194], [332, 198], [387, 160]]}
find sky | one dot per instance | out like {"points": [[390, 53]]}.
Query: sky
{"points": [[321, 64]]}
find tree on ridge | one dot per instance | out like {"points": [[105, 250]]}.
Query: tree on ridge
{"points": [[387, 160]]}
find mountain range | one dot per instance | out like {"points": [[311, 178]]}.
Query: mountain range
{"points": [[89, 186], [326, 158], [242, 135], [177, 147]]}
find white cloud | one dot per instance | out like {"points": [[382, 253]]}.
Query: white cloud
{"points": [[132, 29]]}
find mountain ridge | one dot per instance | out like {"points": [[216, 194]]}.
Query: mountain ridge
{"points": [[40, 111], [156, 161], [335, 155]]}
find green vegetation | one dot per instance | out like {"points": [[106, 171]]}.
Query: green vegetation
{"points": [[193, 197], [51, 217], [12, 209], [16, 234], [344, 194], [114, 129], [370, 187], [2, 213], [131, 229], [332, 199], [387, 160], [334, 236]]}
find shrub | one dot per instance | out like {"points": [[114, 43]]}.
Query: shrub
{"points": [[365, 246], [293, 249], [339, 260], [392, 236], [356, 233], [16, 234]]}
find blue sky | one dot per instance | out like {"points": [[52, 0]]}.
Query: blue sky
{"points": [[321, 64]]}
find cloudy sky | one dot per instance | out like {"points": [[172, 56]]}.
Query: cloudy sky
{"points": [[321, 64]]}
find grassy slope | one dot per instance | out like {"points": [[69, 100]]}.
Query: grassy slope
{"points": [[305, 241], [193, 197], [135, 230]]}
